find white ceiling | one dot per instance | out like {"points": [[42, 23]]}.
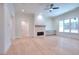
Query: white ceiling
{"points": [[32, 8]]}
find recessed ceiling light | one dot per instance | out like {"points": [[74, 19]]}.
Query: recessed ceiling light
{"points": [[23, 22], [22, 10], [39, 16]]}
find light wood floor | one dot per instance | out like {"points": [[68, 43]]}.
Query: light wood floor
{"points": [[50, 45]]}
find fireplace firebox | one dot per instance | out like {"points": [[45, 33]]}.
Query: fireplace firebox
{"points": [[40, 33]]}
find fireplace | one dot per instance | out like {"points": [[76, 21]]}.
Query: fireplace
{"points": [[40, 33]]}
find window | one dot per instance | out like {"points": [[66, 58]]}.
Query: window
{"points": [[66, 25], [74, 25], [69, 25], [61, 26]]}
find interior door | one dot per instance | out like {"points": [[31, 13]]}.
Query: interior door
{"points": [[24, 29]]}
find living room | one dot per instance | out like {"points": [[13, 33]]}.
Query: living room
{"points": [[39, 28]]}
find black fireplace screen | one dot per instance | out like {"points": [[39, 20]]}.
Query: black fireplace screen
{"points": [[40, 33]]}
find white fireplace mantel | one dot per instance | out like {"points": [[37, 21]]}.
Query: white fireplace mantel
{"points": [[39, 28]]}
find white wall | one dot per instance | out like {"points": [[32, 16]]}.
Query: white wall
{"points": [[48, 21], [29, 20], [6, 30], [11, 10], [1, 29], [39, 19], [31, 26], [71, 14], [9, 16]]}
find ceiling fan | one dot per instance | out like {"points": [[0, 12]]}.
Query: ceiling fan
{"points": [[51, 8]]}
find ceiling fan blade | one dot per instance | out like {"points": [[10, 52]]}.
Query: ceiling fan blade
{"points": [[55, 7], [51, 5]]}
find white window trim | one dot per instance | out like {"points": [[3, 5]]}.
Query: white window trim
{"points": [[69, 26]]}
